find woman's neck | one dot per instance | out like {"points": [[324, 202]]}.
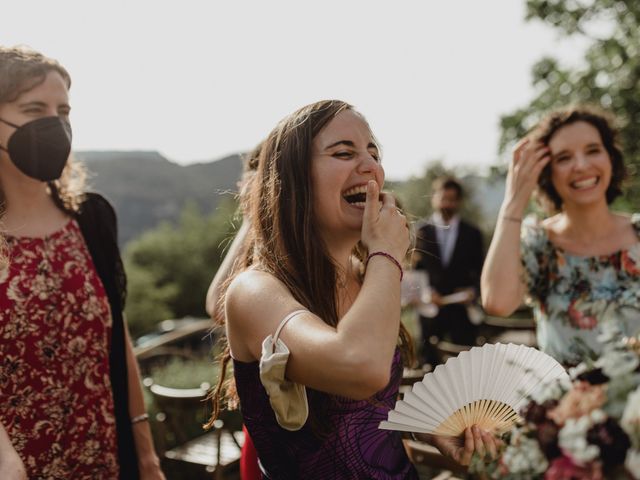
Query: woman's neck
{"points": [[29, 209], [587, 223]]}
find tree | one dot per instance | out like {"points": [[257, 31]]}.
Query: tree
{"points": [[610, 76], [170, 267]]}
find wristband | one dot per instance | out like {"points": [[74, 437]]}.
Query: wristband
{"points": [[140, 418], [390, 257]]}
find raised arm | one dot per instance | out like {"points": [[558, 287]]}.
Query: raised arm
{"points": [[501, 282], [352, 359], [212, 305]]}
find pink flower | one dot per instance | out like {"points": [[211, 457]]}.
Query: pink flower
{"points": [[630, 261], [581, 400], [581, 320], [562, 468]]}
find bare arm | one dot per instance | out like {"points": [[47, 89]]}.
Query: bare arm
{"points": [[501, 282], [352, 359], [213, 294], [148, 462], [11, 466]]}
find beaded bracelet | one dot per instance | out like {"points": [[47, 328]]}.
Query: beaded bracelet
{"points": [[390, 257], [140, 418]]}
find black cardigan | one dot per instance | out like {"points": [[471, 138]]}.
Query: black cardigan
{"points": [[97, 220]]}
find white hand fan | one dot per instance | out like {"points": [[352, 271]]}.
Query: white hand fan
{"points": [[485, 386]]}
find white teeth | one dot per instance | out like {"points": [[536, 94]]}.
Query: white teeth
{"points": [[586, 183], [359, 204], [354, 190]]}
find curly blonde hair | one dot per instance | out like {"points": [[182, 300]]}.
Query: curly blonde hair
{"points": [[21, 69]]}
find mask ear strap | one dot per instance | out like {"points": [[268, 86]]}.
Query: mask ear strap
{"points": [[9, 123]]}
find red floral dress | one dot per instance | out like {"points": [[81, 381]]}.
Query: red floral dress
{"points": [[55, 329]]}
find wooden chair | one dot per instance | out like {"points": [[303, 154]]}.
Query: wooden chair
{"points": [[447, 350], [210, 455], [519, 328]]}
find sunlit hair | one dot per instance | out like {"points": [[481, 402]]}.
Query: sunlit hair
{"points": [[22, 69], [284, 237], [604, 122]]}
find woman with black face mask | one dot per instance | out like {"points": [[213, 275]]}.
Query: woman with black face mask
{"points": [[71, 403]]}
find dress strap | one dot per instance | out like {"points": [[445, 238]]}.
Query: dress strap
{"points": [[283, 323]]}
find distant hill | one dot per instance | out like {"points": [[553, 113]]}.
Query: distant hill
{"points": [[146, 188]]}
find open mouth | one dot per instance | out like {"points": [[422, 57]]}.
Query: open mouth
{"points": [[585, 183], [356, 196]]}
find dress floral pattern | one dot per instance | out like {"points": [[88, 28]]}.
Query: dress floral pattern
{"points": [[572, 295], [55, 329]]}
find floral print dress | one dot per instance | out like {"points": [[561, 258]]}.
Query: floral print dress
{"points": [[572, 295], [55, 328]]}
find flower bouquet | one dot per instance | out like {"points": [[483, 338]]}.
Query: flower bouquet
{"points": [[585, 428]]}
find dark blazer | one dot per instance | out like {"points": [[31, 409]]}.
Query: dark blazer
{"points": [[463, 271], [466, 261]]}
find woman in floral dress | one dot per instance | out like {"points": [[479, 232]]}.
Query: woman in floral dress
{"points": [[581, 266], [70, 398]]}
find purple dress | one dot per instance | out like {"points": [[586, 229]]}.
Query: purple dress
{"points": [[355, 448]]}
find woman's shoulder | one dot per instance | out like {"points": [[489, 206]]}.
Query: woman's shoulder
{"points": [[254, 292], [251, 282], [95, 206]]}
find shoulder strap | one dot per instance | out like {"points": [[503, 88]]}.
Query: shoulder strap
{"points": [[284, 321]]}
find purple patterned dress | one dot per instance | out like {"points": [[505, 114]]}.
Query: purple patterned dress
{"points": [[355, 448]]}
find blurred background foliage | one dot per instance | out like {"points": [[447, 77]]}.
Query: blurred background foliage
{"points": [[171, 265], [609, 76]]}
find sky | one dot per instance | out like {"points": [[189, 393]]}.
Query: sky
{"points": [[199, 80]]}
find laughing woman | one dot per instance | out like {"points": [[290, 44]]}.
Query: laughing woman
{"points": [[581, 266], [71, 401], [313, 322]]}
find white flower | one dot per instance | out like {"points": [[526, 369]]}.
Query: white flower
{"points": [[523, 455], [579, 369], [610, 331], [632, 463], [572, 439], [552, 390], [630, 421], [615, 363]]}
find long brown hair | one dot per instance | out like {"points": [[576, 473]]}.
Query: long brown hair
{"points": [[284, 239]]}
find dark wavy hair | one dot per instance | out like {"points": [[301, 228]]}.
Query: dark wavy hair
{"points": [[604, 122]]}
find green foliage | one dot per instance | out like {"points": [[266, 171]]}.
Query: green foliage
{"points": [[170, 267], [609, 78]]}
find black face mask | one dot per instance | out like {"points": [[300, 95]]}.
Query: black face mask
{"points": [[40, 148]]}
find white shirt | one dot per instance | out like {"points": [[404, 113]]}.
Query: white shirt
{"points": [[446, 235]]}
